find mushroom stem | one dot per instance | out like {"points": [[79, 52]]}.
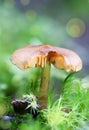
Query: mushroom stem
{"points": [[45, 78]]}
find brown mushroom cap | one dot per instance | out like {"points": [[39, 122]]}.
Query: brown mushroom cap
{"points": [[38, 55]]}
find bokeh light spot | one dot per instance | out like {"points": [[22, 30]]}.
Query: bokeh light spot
{"points": [[3, 108], [30, 14], [25, 2], [9, 3], [5, 124], [75, 27]]}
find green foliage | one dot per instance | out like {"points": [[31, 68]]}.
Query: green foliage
{"points": [[71, 110]]}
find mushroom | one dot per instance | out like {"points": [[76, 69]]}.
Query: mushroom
{"points": [[43, 56]]}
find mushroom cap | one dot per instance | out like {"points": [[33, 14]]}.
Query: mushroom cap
{"points": [[38, 56]]}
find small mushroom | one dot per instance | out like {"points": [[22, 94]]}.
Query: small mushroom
{"points": [[43, 56]]}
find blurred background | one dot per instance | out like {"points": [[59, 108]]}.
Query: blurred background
{"points": [[64, 23], [61, 22]]}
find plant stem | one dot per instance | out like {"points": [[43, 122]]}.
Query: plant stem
{"points": [[45, 78]]}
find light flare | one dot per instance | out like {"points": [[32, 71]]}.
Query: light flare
{"points": [[75, 27]]}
